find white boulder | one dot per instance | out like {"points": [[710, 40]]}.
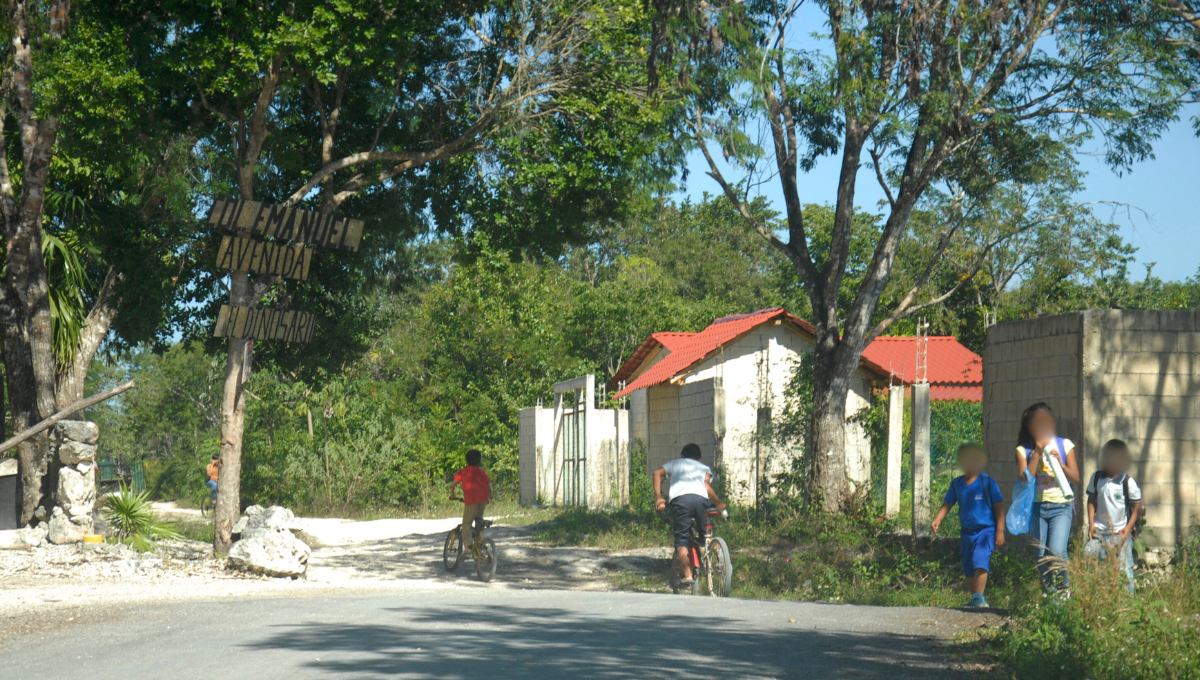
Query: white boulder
{"points": [[77, 431], [63, 531], [73, 453], [267, 545], [77, 491]]}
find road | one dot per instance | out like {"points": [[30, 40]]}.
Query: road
{"points": [[463, 633]]}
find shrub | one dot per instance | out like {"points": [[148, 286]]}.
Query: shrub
{"points": [[134, 521]]}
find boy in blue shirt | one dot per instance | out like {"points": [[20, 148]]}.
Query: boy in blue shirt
{"points": [[981, 514]]}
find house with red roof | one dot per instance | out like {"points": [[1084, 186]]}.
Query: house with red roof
{"points": [[722, 387], [954, 372]]}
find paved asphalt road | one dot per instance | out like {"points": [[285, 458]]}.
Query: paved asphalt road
{"points": [[490, 633]]}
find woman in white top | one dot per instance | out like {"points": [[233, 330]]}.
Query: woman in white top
{"points": [[1050, 459]]}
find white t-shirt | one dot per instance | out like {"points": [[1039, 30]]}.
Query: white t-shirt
{"points": [[1048, 490], [1110, 501], [687, 476]]}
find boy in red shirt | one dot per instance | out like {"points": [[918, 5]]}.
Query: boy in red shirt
{"points": [[477, 490]]}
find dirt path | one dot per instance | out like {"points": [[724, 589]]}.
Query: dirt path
{"points": [[411, 549]]}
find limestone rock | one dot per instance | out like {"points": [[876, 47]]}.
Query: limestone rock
{"points": [[271, 552], [34, 536], [77, 491], [8, 466], [63, 531], [273, 518], [17, 539], [267, 544], [73, 453], [77, 431]]}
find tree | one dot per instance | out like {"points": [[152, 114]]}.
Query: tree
{"points": [[370, 107], [962, 95]]}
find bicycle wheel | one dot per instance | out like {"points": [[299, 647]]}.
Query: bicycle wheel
{"points": [[485, 565], [718, 568], [452, 551]]}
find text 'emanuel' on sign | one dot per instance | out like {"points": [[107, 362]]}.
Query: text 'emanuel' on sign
{"points": [[251, 218], [264, 323]]}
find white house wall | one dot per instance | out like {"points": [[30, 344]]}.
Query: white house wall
{"points": [[752, 372]]}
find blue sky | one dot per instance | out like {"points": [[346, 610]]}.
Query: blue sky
{"points": [[1166, 188]]}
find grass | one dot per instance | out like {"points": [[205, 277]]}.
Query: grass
{"points": [[1101, 633], [798, 557]]}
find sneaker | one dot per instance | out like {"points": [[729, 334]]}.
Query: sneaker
{"points": [[977, 601]]}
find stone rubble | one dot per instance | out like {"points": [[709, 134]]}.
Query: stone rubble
{"points": [[71, 519], [268, 544], [116, 562]]}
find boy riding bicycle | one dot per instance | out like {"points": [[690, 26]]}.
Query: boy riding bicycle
{"points": [[477, 491], [691, 495]]}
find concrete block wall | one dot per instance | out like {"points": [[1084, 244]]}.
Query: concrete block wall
{"points": [[1025, 362], [1142, 375], [1125, 374]]}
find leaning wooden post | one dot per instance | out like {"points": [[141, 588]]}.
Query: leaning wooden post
{"points": [[895, 450], [64, 414], [920, 459]]}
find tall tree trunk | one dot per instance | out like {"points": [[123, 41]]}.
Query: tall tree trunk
{"points": [[99, 320], [233, 419], [25, 303], [827, 486]]}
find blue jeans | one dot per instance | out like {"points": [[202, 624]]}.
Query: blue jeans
{"points": [[1052, 524], [1110, 544], [212, 486]]}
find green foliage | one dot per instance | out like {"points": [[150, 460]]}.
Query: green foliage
{"points": [[131, 517]]}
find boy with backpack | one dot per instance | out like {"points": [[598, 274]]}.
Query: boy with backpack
{"points": [[1114, 506], [981, 515]]}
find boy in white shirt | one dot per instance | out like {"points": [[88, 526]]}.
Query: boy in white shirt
{"points": [[691, 496], [1114, 506]]}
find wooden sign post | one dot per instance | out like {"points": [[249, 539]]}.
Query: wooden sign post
{"points": [[244, 253]]}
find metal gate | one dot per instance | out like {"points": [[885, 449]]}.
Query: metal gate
{"points": [[574, 443], [572, 435]]}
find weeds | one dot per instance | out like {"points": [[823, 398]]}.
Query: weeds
{"points": [[1101, 633]]}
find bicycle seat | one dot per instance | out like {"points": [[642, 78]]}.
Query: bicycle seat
{"points": [[483, 523], [712, 513]]}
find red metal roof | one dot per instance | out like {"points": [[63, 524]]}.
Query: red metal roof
{"points": [[688, 349], [950, 362], [955, 372], [954, 393]]}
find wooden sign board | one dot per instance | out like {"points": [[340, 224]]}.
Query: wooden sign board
{"points": [[264, 323], [262, 257], [251, 218]]}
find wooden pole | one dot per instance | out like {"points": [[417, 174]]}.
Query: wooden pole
{"points": [[64, 414]]}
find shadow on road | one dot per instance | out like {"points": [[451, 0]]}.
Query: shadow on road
{"points": [[527, 642], [522, 562]]}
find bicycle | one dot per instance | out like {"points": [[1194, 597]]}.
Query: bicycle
{"points": [[482, 551], [206, 503], [711, 564]]}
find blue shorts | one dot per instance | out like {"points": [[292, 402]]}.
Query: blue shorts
{"points": [[977, 549]]}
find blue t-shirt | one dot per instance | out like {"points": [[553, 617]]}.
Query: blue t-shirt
{"points": [[974, 501]]}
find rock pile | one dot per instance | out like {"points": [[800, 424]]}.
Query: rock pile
{"points": [[75, 443], [268, 545]]}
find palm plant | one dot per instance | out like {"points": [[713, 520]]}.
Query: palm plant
{"points": [[134, 521]]}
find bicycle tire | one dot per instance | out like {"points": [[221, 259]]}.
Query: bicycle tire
{"points": [[452, 551], [719, 568], [485, 566]]}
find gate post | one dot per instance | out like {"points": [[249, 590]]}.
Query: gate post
{"points": [[920, 459]]}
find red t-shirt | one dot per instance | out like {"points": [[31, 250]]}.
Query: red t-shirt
{"points": [[477, 487]]}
